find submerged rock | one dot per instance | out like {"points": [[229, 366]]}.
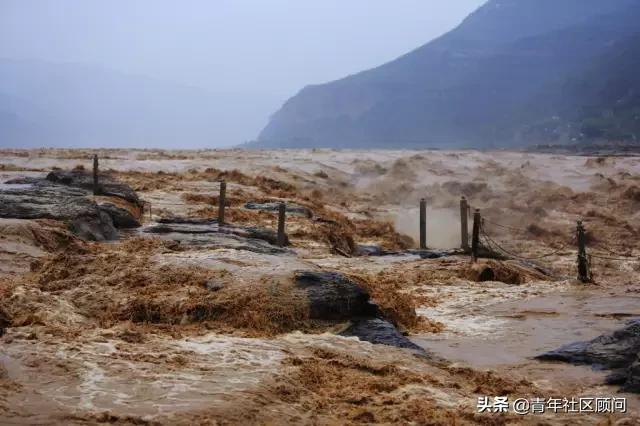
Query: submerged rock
{"points": [[380, 332], [617, 351]]}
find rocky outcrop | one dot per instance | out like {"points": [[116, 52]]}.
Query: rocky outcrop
{"points": [[332, 296], [208, 233], [122, 218], [618, 351], [106, 185], [64, 196], [70, 205]]}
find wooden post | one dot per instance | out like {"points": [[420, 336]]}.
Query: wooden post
{"points": [[475, 239], [96, 189], [222, 198], [282, 211], [583, 264], [464, 223], [423, 224]]}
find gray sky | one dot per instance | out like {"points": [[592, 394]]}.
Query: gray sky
{"points": [[262, 49]]}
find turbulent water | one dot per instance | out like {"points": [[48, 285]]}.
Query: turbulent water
{"points": [[212, 328]]}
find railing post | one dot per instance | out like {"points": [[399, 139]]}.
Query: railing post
{"points": [[282, 211], [583, 264], [96, 189], [423, 224], [221, 202], [475, 240], [464, 224]]}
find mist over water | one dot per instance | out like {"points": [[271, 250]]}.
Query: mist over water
{"points": [[443, 226]]}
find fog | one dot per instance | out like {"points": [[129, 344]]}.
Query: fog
{"points": [[235, 61]]}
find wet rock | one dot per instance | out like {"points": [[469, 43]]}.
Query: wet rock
{"points": [[324, 220], [632, 382], [369, 250], [122, 218], [207, 233], [70, 205], [97, 227], [333, 296], [265, 234], [616, 351], [274, 206], [106, 185], [5, 321], [213, 285], [380, 332], [66, 196]]}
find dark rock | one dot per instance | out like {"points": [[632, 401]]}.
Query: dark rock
{"points": [[208, 233], [5, 321], [324, 220], [65, 196], [122, 218], [632, 383], [379, 332], [433, 254], [617, 351], [106, 185], [265, 234], [274, 206], [369, 250], [94, 228], [333, 296], [187, 220], [71, 205], [486, 274], [213, 285]]}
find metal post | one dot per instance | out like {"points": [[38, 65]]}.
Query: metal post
{"points": [[282, 211], [475, 241], [96, 190], [583, 264], [464, 223], [222, 198], [423, 224]]}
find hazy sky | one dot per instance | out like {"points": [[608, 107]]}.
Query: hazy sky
{"points": [[268, 49]]}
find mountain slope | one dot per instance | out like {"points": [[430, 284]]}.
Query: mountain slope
{"points": [[489, 82]]}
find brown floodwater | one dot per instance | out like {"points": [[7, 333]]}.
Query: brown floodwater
{"points": [[522, 329]]}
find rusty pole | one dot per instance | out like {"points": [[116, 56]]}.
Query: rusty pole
{"points": [[423, 224], [583, 264], [96, 189], [475, 240], [282, 211], [464, 223], [222, 198]]}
